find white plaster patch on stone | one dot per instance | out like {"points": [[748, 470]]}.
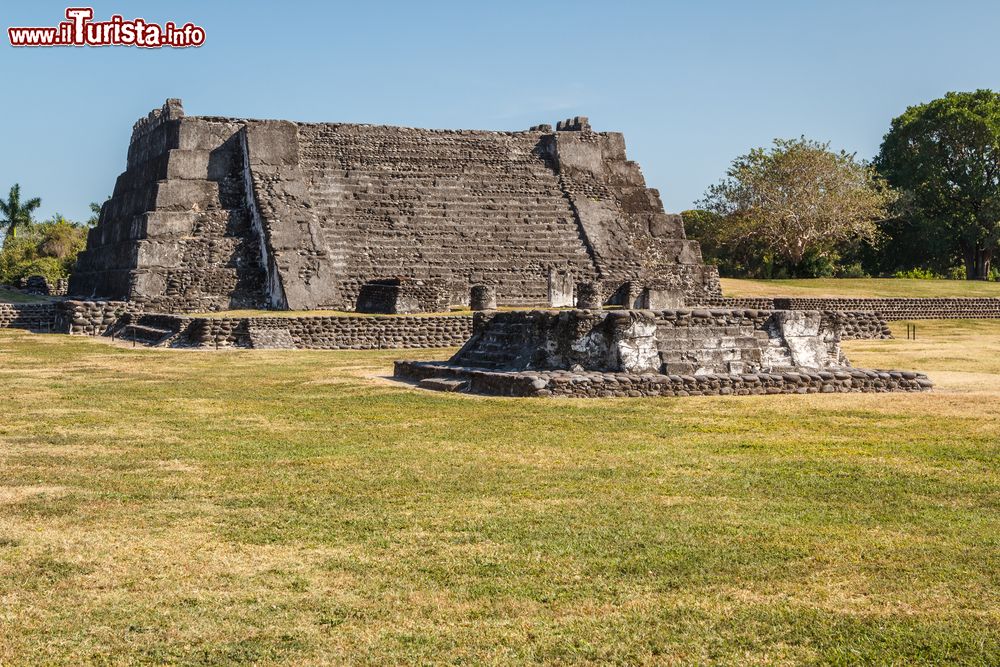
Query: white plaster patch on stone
{"points": [[776, 353], [592, 348], [637, 350], [560, 289], [798, 323], [804, 339]]}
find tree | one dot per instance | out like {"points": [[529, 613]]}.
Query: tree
{"points": [[60, 238], [46, 248], [16, 214], [945, 157], [799, 200], [733, 257], [95, 214]]}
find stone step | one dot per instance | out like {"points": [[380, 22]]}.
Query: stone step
{"points": [[443, 384], [141, 332]]}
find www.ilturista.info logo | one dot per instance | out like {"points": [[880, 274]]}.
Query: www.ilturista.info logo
{"points": [[80, 30]]}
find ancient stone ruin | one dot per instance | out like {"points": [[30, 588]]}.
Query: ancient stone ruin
{"points": [[215, 214], [220, 213], [591, 353]]}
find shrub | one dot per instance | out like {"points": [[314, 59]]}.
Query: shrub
{"points": [[47, 249], [918, 274], [956, 273], [49, 267], [854, 270]]}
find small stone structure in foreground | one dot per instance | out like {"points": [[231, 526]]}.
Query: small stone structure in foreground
{"points": [[592, 353]]}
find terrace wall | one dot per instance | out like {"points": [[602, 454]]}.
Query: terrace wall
{"points": [[891, 308]]}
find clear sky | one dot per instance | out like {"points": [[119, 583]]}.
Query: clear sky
{"points": [[691, 84]]}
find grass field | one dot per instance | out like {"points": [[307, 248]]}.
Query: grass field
{"points": [[162, 506], [859, 287], [13, 296]]}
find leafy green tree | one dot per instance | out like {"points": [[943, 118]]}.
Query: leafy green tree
{"points": [[945, 157], [61, 239], [798, 201], [907, 244], [735, 257], [17, 215], [47, 248]]}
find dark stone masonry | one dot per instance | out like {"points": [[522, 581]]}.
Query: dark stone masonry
{"points": [[43, 286], [222, 213], [326, 333], [890, 308], [32, 316], [401, 296], [590, 384], [482, 297], [593, 353]]}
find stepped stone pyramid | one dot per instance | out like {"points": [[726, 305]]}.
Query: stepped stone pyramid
{"points": [[217, 213]]}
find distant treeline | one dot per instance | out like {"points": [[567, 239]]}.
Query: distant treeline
{"points": [[927, 206], [48, 248]]}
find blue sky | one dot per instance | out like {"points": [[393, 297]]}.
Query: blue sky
{"points": [[691, 84]]}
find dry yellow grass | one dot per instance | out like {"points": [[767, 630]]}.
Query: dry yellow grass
{"points": [[859, 287], [163, 506]]}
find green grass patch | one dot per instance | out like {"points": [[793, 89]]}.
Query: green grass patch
{"points": [[165, 506], [13, 296]]}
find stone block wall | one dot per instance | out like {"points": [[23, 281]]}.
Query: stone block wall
{"points": [[854, 325], [891, 308], [905, 309], [758, 303], [93, 318], [400, 296], [637, 341], [44, 317], [176, 233], [43, 286], [334, 333]]}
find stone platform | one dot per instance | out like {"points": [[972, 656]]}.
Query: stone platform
{"points": [[590, 353], [594, 384]]}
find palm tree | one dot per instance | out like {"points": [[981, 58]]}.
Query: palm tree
{"points": [[95, 214], [15, 213]]}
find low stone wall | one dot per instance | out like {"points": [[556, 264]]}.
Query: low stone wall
{"points": [[906, 309], [100, 318], [857, 325], [41, 285], [622, 385], [32, 316], [336, 332], [891, 308], [93, 318], [751, 302], [365, 333]]}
